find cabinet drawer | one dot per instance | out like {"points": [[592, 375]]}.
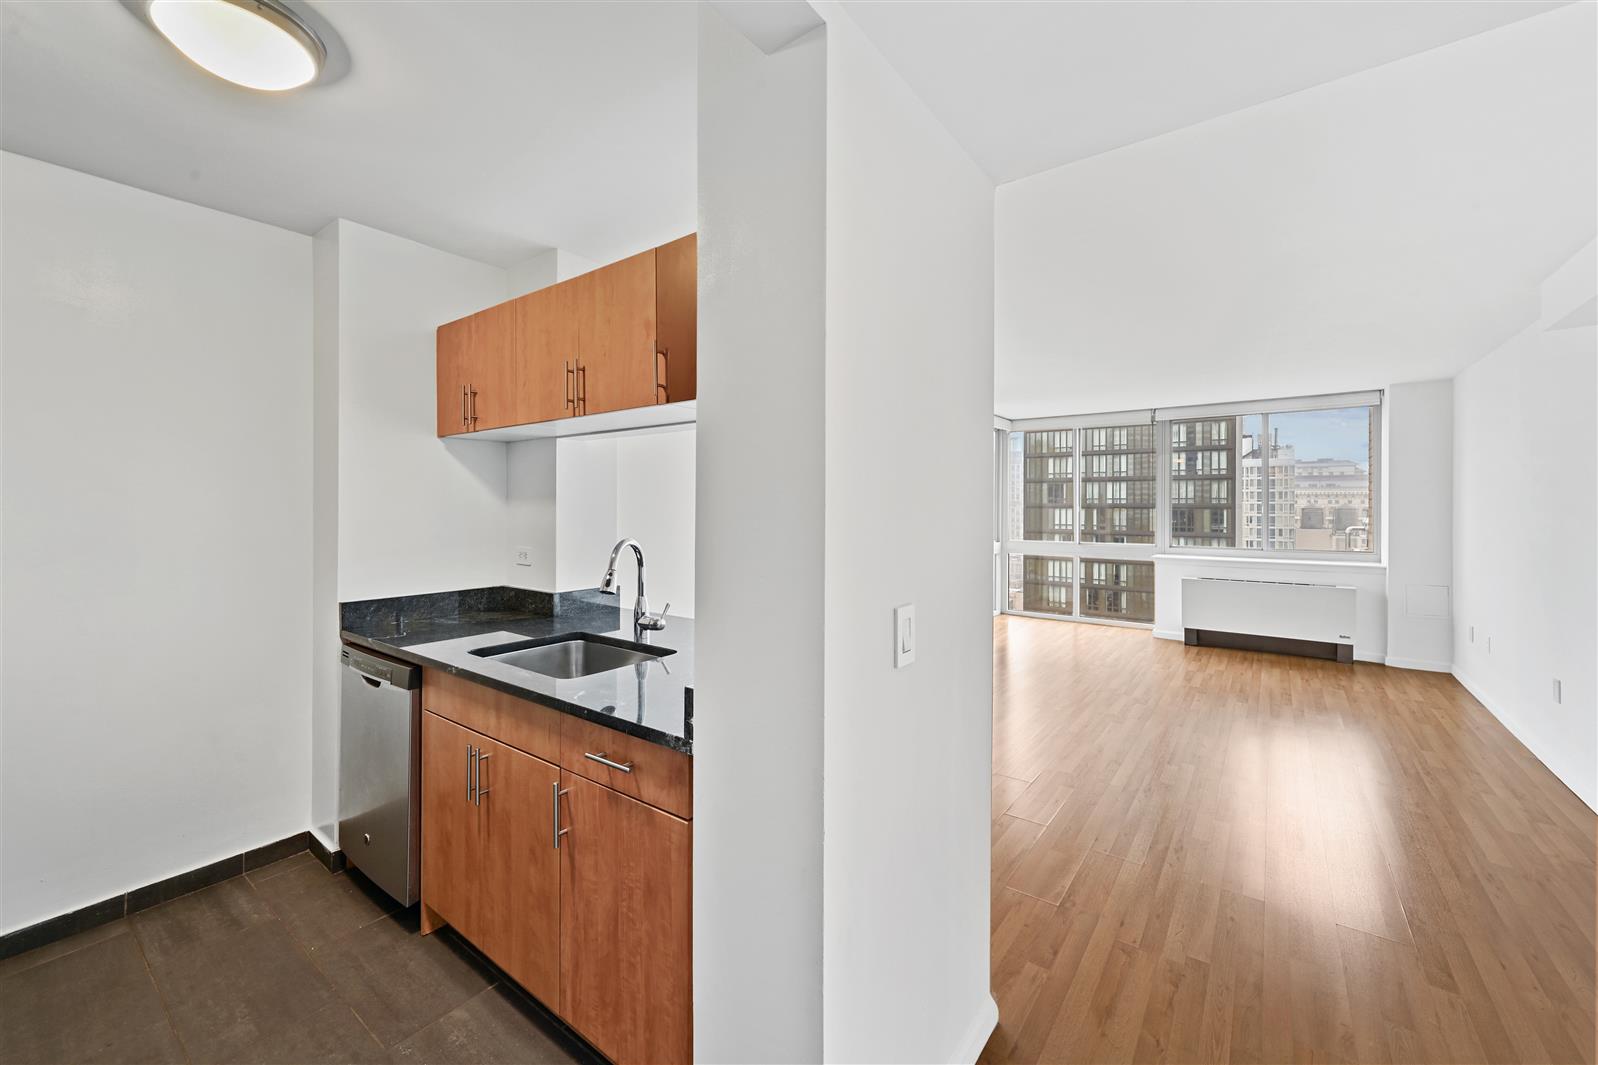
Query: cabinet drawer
{"points": [[659, 776], [521, 724]]}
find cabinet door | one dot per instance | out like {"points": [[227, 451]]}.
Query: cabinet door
{"points": [[491, 366], [626, 925], [617, 341], [518, 881], [454, 416], [449, 825], [546, 353], [677, 319]]}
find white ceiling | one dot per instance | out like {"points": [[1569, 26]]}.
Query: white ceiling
{"points": [[1391, 226], [1027, 86], [493, 130]]}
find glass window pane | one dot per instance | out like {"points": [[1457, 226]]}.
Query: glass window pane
{"points": [[1118, 484], [1117, 589], [1320, 490], [1041, 472], [1209, 477], [1041, 585]]}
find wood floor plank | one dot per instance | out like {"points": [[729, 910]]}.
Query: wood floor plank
{"points": [[1206, 855]]}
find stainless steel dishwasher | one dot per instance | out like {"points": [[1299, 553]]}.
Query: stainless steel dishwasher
{"points": [[379, 771]]}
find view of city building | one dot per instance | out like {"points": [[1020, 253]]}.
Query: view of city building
{"points": [[1226, 487]]}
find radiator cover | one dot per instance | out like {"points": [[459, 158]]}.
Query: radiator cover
{"points": [[1290, 610]]}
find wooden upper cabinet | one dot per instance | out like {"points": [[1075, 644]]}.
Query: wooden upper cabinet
{"points": [[626, 925], [621, 337], [677, 319], [477, 371], [546, 353], [617, 336]]}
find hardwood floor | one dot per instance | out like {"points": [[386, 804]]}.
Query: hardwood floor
{"points": [[1205, 855]]}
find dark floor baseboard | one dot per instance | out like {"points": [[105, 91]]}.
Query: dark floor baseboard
{"points": [[334, 860], [142, 898], [1280, 645]]}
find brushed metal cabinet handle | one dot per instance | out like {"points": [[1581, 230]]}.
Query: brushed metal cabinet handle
{"points": [[474, 407], [662, 371], [464, 420], [469, 772], [555, 831], [571, 386], [625, 767], [481, 791], [582, 388]]}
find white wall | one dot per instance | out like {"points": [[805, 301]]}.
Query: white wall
{"points": [[760, 474], [1525, 572], [908, 752], [655, 505], [157, 538], [1332, 239], [585, 515], [1416, 523], [416, 513]]}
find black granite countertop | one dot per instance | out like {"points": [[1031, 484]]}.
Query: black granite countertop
{"points": [[652, 700]]}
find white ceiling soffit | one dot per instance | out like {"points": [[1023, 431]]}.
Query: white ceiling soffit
{"points": [[1030, 86], [492, 130], [770, 25]]}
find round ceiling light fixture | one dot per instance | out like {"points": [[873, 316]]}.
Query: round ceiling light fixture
{"points": [[260, 44]]}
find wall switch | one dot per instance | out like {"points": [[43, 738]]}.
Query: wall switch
{"points": [[904, 635], [522, 556], [1473, 634], [1489, 645], [1559, 691]]}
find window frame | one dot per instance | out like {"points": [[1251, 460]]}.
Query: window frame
{"points": [[1079, 550]]}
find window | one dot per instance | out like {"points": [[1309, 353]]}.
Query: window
{"points": [[1117, 589], [1042, 585], [1047, 478], [1119, 484], [1321, 480], [1207, 458], [1084, 510]]}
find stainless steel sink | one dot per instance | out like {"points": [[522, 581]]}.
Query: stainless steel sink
{"points": [[566, 657]]}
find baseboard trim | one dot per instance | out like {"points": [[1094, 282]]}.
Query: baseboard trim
{"points": [[1168, 634], [131, 902], [1421, 664], [1516, 729], [328, 855], [981, 1031]]}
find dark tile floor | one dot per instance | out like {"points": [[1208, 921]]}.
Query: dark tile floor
{"points": [[286, 964]]}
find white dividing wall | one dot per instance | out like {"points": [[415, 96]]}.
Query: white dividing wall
{"points": [[1417, 516], [1525, 572], [655, 505], [416, 513], [909, 421], [758, 686], [157, 538]]}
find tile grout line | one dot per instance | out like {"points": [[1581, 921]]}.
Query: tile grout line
{"points": [[160, 992]]}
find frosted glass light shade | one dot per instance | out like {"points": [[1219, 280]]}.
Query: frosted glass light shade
{"points": [[248, 42]]}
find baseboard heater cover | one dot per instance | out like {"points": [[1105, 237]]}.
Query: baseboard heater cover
{"points": [[1284, 617]]}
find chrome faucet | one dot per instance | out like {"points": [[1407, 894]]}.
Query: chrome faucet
{"points": [[643, 620]]}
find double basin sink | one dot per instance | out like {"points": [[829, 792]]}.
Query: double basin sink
{"points": [[578, 654]]}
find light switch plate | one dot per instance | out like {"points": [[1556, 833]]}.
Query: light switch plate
{"points": [[522, 556], [904, 635]]}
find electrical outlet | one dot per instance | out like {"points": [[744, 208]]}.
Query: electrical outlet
{"points": [[522, 556], [1559, 691]]}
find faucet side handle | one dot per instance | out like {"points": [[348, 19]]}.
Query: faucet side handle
{"points": [[654, 622]]}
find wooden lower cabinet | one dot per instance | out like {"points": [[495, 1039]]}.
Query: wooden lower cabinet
{"points": [[489, 864], [599, 928], [450, 837], [626, 939]]}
